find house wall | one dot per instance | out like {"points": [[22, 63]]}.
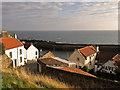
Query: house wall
{"points": [[31, 53], [21, 55], [16, 55], [74, 56], [82, 61], [6, 62], [91, 59], [25, 55], [108, 67]]}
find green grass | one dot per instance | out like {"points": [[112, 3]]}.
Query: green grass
{"points": [[12, 81], [20, 78]]}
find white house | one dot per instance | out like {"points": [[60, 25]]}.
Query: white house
{"points": [[14, 50], [32, 53], [107, 67], [84, 57]]}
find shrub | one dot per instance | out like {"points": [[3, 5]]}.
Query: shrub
{"points": [[85, 68]]}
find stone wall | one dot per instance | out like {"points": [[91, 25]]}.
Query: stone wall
{"points": [[80, 80], [6, 61]]}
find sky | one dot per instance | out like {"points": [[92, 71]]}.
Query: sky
{"points": [[47, 16]]}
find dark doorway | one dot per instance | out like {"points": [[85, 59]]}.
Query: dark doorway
{"points": [[15, 62]]}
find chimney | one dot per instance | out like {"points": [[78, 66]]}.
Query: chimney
{"points": [[31, 43], [23, 42], [97, 48], [5, 34], [15, 35]]}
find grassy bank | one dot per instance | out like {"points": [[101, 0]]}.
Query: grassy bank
{"points": [[21, 78]]}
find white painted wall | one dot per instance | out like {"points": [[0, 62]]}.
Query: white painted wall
{"points": [[93, 56], [31, 53], [25, 55], [16, 55]]}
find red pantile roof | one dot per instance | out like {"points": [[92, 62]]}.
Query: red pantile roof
{"points": [[116, 58], [75, 70], [92, 47], [10, 43], [86, 51]]}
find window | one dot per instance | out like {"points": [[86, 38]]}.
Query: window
{"points": [[20, 59], [36, 57], [90, 63], [10, 54], [78, 59], [20, 51], [90, 57], [36, 53]]}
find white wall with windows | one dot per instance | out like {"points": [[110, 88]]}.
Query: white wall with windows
{"points": [[17, 55]]}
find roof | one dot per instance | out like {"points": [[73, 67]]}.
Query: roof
{"points": [[10, 43], [75, 70], [52, 62], [92, 47], [48, 55], [26, 44], [63, 60], [116, 58], [109, 63], [52, 56], [87, 51]]}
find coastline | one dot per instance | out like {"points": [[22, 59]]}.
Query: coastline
{"points": [[66, 46]]}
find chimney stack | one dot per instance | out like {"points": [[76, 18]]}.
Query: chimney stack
{"points": [[15, 35], [5, 34]]}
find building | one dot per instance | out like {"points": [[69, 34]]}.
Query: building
{"points": [[31, 52], [116, 58], [84, 57], [5, 34], [50, 60], [51, 55], [5, 61], [14, 50], [107, 67], [76, 70]]}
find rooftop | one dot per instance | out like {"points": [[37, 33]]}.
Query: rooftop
{"points": [[10, 43], [116, 58], [48, 55], [87, 51], [52, 62], [63, 60], [75, 70]]}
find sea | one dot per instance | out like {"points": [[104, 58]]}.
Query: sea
{"points": [[76, 37], [72, 37]]}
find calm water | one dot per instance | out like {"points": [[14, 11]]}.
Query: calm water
{"points": [[80, 37]]}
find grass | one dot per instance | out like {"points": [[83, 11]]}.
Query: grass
{"points": [[21, 78], [12, 81]]}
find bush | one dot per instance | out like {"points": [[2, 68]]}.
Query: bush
{"points": [[85, 68]]}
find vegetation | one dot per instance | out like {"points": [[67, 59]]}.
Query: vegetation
{"points": [[85, 68], [21, 78]]}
